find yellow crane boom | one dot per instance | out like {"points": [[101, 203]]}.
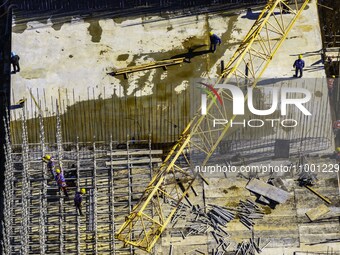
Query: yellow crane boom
{"points": [[161, 198]]}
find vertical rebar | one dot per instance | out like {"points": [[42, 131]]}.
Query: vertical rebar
{"points": [[25, 192], [78, 187], [95, 231], [61, 200], [129, 171], [112, 201], [43, 191]]}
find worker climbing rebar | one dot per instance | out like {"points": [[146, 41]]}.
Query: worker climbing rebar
{"points": [[50, 164], [60, 179], [78, 201]]}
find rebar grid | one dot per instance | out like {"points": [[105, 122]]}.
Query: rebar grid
{"points": [[48, 224]]}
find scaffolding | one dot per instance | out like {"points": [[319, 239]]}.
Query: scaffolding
{"points": [[39, 219]]}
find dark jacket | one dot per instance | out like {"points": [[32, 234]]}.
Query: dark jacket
{"points": [[299, 64], [214, 39], [78, 198]]}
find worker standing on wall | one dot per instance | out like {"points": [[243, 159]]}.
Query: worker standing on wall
{"points": [[299, 64], [60, 179], [15, 62], [78, 200], [214, 40]]}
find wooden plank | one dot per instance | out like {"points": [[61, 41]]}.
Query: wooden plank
{"points": [[151, 65], [134, 161], [319, 195], [135, 152], [315, 213], [267, 190]]}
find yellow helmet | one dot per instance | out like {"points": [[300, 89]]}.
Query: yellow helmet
{"points": [[48, 157], [211, 33], [58, 171], [333, 76], [338, 149], [82, 191], [300, 56]]}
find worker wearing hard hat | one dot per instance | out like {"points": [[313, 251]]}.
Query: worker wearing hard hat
{"points": [[299, 64], [214, 40], [49, 160], [60, 179], [78, 199], [337, 154]]}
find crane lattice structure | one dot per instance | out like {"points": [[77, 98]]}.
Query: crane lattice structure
{"points": [[164, 195]]}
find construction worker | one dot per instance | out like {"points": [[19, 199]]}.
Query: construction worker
{"points": [[18, 105], [60, 179], [330, 84], [337, 154], [78, 199], [214, 40], [50, 164], [15, 62], [299, 64]]}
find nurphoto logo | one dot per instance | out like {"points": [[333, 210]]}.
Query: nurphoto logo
{"points": [[280, 100]]}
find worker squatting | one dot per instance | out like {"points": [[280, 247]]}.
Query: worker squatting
{"points": [[58, 175], [255, 123]]}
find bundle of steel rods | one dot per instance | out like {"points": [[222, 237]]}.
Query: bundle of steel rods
{"points": [[250, 247], [247, 212]]}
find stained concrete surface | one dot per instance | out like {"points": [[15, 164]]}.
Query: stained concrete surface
{"points": [[79, 54]]}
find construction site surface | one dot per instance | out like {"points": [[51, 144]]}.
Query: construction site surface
{"points": [[115, 102]]}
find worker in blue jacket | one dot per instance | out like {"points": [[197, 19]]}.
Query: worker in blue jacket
{"points": [[15, 62], [214, 40], [78, 200], [299, 64], [60, 179]]}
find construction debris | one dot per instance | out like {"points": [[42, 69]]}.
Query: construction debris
{"points": [[250, 247], [268, 191], [247, 212], [216, 217], [318, 194], [315, 213]]}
